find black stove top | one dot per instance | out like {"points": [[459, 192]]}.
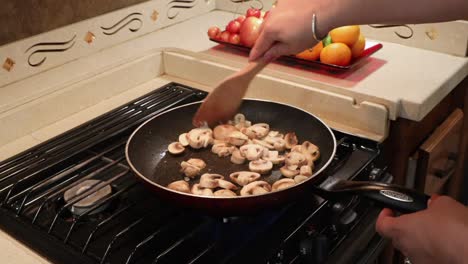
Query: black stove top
{"points": [[73, 199]]}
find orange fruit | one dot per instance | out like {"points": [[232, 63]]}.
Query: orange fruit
{"points": [[337, 54], [311, 54], [347, 34], [358, 47]]}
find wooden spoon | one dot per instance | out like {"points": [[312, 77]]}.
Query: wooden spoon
{"points": [[224, 101]]}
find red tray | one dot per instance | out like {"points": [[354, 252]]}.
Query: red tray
{"points": [[371, 48]]}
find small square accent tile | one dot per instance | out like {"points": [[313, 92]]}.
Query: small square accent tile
{"points": [[154, 15], [8, 64], [89, 37]]}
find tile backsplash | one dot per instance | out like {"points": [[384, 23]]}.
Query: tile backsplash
{"points": [[25, 18]]}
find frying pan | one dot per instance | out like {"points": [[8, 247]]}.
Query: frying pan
{"points": [[147, 155]]}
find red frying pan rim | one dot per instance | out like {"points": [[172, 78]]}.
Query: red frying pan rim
{"points": [[140, 175]]}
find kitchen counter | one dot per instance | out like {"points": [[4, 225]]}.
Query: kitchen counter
{"points": [[408, 81]]}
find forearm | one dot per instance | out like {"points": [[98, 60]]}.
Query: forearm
{"points": [[361, 12]]}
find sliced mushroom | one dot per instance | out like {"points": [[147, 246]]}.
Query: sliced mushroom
{"points": [[275, 134], [183, 139], [274, 157], [295, 158], [300, 178], [261, 166], [289, 171], [255, 188], [222, 149], [278, 143], [237, 138], [225, 193], [263, 143], [200, 137], [198, 190], [240, 121], [175, 148], [226, 185], [282, 184], [312, 149], [257, 131], [192, 167], [180, 186], [297, 148], [291, 140], [306, 171], [244, 177], [222, 132], [237, 157], [210, 180], [251, 151]]}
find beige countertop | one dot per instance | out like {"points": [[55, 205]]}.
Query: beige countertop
{"points": [[408, 81]]}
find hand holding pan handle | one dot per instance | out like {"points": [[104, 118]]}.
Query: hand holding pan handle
{"points": [[387, 195]]}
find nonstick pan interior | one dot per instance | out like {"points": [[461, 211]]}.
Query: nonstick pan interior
{"points": [[147, 147]]}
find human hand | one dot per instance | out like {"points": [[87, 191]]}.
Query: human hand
{"points": [[438, 234], [288, 28]]}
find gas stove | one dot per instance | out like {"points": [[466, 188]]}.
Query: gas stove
{"points": [[74, 199]]}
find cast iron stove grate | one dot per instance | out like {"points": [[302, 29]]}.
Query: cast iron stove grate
{"points": [[128, 224]]}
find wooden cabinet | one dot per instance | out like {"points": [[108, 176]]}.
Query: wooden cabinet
{"points": [[437, 157]]}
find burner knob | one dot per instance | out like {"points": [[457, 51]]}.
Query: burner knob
{"points": [[314, 249]]}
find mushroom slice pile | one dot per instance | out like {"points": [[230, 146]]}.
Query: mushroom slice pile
{"points": [[237, 138], [274, 157], [210, 180], [225, 193], [192, 167], [261, 166], [237, 157], [222, 149], [180, 186], [244, 177], [291, 140], [257, 131], [255, 188], [221, 132], [282, 184], [198, 190], [251, 151], [200, 137], [176, 148]]}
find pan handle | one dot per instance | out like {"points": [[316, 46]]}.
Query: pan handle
{"points": [[392, 196]]}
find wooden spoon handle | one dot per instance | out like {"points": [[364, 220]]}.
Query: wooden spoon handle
{"points": [[251, 70]]}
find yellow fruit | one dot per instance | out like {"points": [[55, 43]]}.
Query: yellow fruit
{"points": [[347, 35], [358, 47], [311, 54], [336, 54]]}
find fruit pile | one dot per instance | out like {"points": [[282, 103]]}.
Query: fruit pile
{"points": [[339, 47], [243, 30]]}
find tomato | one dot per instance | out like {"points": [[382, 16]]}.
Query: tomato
{"points": [[213, 32], [233, 27], [225, 36], [250, 30], [234, 39], [240, 19], [253, 12]]}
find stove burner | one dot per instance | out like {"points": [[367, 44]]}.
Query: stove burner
{"points": [[87, 194]]}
